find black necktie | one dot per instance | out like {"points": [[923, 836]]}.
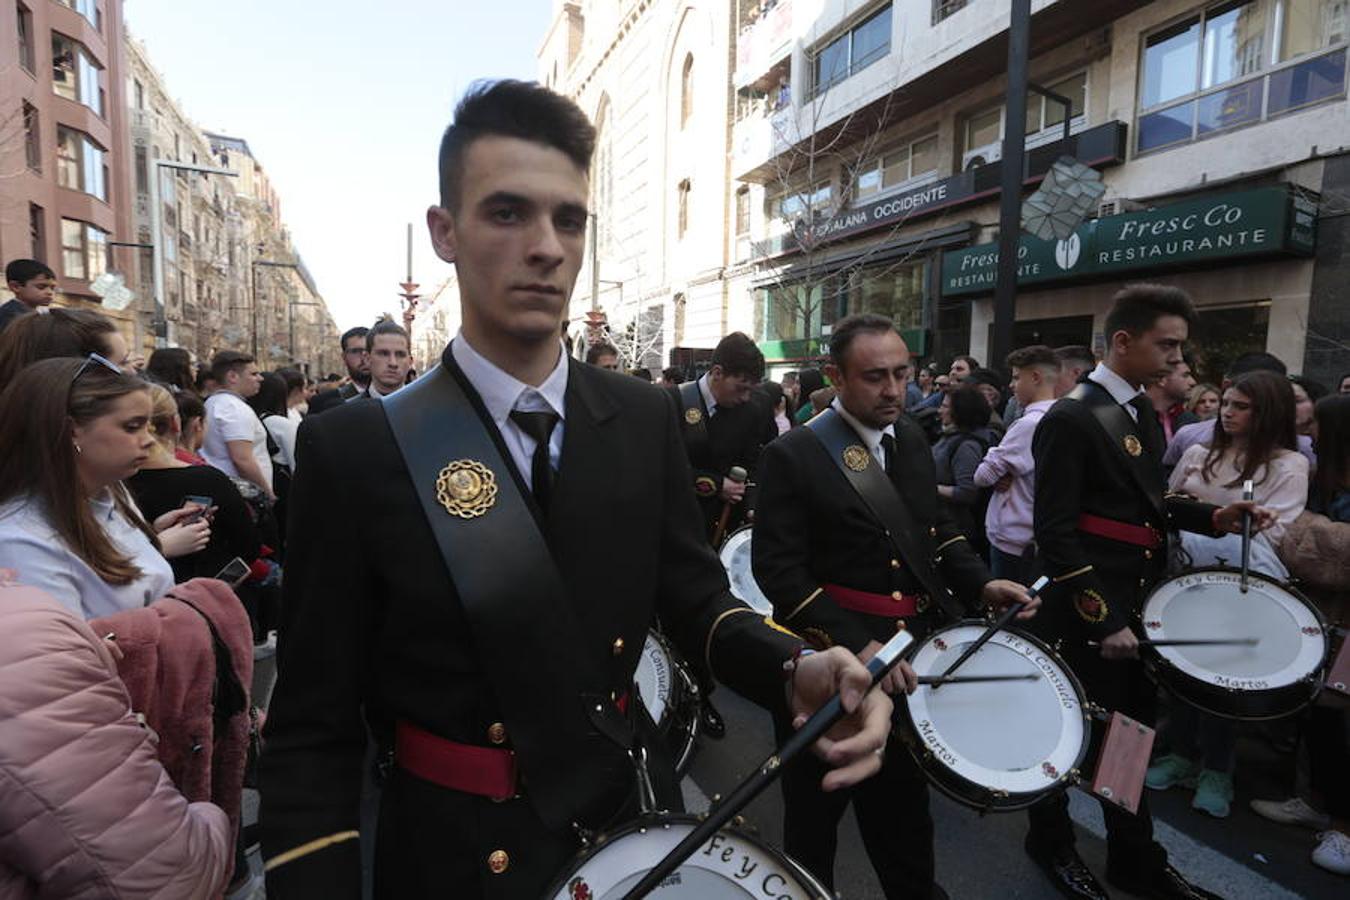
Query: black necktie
{"points": [[888, 451], [538, 425]]}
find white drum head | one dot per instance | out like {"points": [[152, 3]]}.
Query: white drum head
{"points": [[655, 670], [735, 555], [1014, 736], [728, 867], [1210, 604]]}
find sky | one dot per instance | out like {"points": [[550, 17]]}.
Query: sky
{"points": [[343, 103]]}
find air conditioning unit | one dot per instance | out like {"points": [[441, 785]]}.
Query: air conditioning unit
{"points": [[1118, 205], [982, 156]]}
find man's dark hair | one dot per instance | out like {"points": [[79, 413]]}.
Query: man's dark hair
{"points": [[1075, 353], [644, 374], [1137, 307], [1035, 355], [516, 109], [847, 329], [23, 271], [386, 326], [1332, 414], [359, 331], [595, 351], [226, 361], [190, 406], [295, 379], [271, 397], [737, 355], [171, 367], [1256, 361], [969, 408], [970, 361], [674, 374], [808, 382]]}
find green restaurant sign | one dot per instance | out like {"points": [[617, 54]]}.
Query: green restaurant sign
{"points": [[1260, 222]]}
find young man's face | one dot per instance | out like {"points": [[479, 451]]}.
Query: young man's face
{"points": [[729, 390], [245, 380], [607, 361], [389, 362], [1152, 355], [354, 357], [517, 238], [38, 291]]}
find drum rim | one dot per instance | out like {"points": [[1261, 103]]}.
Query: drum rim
{"points": [[963, 789], [1195, 691], [658, 820], [767, 608], [680, 672]]}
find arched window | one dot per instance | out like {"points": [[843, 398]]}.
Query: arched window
{"points": [[687, 90]]}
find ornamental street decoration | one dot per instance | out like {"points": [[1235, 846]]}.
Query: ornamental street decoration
{"points": [[1069, 192]]}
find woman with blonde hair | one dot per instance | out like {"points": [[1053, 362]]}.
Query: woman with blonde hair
{"points": [[1204, 402]]}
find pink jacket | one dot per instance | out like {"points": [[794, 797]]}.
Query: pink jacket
{"points": [[86, 809]]}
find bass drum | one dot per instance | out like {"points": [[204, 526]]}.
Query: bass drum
{"points": [[1003, 745], [731, 866], [735, 554], [668, 689], [1277, 677]]}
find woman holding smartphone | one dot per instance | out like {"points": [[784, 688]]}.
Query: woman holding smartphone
{"points": [[164, 483]]}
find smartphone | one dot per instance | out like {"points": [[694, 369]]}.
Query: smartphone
{"points": [[234, 572], [197, 500]]}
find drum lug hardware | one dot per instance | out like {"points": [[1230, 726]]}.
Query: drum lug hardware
{"points": [[585, 835], [646, 792], [1073, 776]]}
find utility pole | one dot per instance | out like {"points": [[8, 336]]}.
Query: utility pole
{"points": [[1013, 172]]}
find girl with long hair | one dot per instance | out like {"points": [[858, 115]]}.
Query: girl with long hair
{"points": [[1204, 402], [60, 332], [171, 367]]}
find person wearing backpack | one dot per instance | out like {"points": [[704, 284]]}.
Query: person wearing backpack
{"points": [[957, 454]]}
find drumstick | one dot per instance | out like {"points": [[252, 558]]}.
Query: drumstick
{"points": [[997, 625], [1247, 494], [1195, 642], [738, 475], [935, 680], [768, 771]]}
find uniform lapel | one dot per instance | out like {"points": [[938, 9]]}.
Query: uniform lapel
{"points": [[589, 460]]}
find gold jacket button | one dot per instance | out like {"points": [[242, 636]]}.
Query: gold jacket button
{"points": [[897, 596], [618, 646], [895, 564], [1148, 554], [932, 532], [1142, 582], [498, 861], [497, 733]]}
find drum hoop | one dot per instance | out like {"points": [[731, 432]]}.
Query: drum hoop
{"points": [[978, 794], [663, 653], [723, 556], [1168, 664], [586, 854]]}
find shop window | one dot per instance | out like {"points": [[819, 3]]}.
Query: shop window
{"points": [[32, 137], [26, 38], [1064, 331], [893, 291], [909, 164], [851, 52], [1238, 63], [797, 310], [1223, 333]]}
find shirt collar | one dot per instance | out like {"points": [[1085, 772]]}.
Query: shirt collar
{"points": [[502, 392], [373, 392], [870, 435], [1120, 390], [709, 401], [103, 504]]}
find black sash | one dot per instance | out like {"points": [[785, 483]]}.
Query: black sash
{"points": [[1123, 432], [877, 492], [695, 420], [568, 734]]}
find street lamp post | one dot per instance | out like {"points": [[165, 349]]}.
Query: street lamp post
{"points": [[158, 322], [1010, 199]]}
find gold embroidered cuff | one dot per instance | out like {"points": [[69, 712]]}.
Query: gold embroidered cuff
{"points": [[309, 847]]}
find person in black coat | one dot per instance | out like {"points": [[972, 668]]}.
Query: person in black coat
{"points": [[1101, 521], [840, 576], [357, 361], [376, 632]]}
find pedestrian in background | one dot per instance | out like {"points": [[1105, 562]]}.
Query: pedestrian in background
{"points": [[1203, 402], [33, 284]]}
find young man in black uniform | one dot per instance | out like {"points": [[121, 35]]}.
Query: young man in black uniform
{"points": [[461, 618], [1101, 524], [724, 425], [844, 559]]}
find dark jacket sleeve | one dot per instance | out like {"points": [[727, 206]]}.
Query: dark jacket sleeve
{"points": [[962, 568], [782, 552], [315, 735], [232, 519], [1063, 450]]}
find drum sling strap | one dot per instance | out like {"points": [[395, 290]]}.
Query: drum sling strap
{"points": [[564, 727], [874, 487], [1121, 433], [695, 427]]}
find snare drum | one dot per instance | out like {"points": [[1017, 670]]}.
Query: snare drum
{"points": [[671, 696], [735, 554], [996, 745], [731, 866], [1277, 677]]}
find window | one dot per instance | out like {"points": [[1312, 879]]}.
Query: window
{"points": [[86, 8], [142, 170], [814, 203], [26, 38], [687, 90], [909, 163], [896, 292], [1237, 63], [75, 75], [944, 8], [682, 225], [84, 250], [32, 137], [80, 163], [742, 222], [852, 51], [1045, 117], [138, 91], [37, 232]]}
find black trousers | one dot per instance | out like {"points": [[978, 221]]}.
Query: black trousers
{"points": [[1117, 686]]}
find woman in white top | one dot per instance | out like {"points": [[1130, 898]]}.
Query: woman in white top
{"points": [[1256, 440], [70, 430]]}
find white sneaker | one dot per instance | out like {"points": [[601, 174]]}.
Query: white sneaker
{"points": [[1333, 854], [1292, 812]]}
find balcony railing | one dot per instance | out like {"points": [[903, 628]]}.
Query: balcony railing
{"points": [[764, 41]]}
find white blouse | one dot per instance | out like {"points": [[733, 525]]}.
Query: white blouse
{"points": [[30, 546]]}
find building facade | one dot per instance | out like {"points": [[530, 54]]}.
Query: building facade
{"points": [[63, 132]]}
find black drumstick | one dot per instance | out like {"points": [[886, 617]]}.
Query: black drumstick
{"points": [[997, 625], [1248, 491], [768, 771], [935, 680]]}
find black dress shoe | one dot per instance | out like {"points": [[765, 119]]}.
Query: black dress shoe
{"points": [[1070, 875], [1166, 884], [713, 726]]}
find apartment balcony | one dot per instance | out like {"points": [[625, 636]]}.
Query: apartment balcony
{"points": [[766, 130], [763, 42]]}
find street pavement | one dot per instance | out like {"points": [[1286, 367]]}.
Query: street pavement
{"points": [[1242, 857]]}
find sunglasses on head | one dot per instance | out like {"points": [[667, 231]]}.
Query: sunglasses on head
{"points": [[95, 359]]}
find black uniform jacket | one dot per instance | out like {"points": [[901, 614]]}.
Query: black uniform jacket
{"points": [[1098, 584], [735, 437], [373, 625], [812, 529]]}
